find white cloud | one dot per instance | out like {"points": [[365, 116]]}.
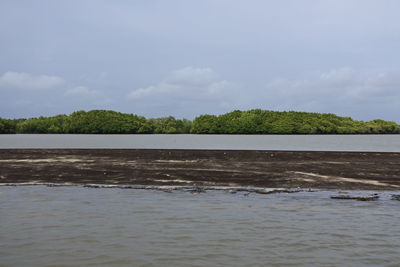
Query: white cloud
{"points": [[88, 95], [340, 83], [193, 77], [26, 81], [188, 84], [80, 91]]}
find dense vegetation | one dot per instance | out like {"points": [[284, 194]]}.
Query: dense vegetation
{"points": [[255, 121], [101, 122], [7, 126], [259, 121]]}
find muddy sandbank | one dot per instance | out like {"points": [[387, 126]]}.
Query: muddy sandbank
{"points": [[273, 169]]}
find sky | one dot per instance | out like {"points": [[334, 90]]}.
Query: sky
{"points": [[184, 58]]}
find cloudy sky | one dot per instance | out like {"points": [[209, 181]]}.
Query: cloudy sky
{"points": [[190, 57]]}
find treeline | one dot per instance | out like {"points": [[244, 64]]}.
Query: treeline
{"points": [[255, 121], [96, 122], [259, 121]]}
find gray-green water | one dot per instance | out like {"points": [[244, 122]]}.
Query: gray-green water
{"points": [[380, 143], [64, 226]]}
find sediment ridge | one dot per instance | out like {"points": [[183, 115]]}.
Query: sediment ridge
{"points": [[231, 168]]}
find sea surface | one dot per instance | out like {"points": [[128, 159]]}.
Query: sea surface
{"points": [[76, 226], [377, 143]]}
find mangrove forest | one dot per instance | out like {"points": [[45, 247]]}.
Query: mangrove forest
{"points": [[254, 121]]}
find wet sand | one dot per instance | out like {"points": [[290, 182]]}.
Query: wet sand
{"points": [[275, 169]]}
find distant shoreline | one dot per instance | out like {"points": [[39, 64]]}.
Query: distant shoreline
{"points": [[255, 121], [272, 169]]}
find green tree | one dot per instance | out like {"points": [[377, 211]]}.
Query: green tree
{"points": [[7, 126]]}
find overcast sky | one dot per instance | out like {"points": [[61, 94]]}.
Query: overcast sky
{"points": [[190, 57]]}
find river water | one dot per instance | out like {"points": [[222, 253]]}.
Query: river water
{"points": [[378, 143], [75, 226]]}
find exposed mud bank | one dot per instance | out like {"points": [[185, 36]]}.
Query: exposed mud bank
{"points": [[272, 169]]}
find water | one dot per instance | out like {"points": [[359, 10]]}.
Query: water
{"points": [[42, 226], [379, 143]]}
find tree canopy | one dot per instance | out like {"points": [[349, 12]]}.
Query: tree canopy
{"points": [[259, 121], [254, 121]]}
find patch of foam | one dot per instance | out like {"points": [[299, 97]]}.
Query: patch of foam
{"points": [[175, 181], [70, 160], [175, 161], [344, 179]]}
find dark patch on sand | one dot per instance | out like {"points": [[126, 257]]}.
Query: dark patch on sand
{"points": [[283, 169]]}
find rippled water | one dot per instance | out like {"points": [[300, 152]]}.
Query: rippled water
{"points": [[43, 226], [380, 143]]}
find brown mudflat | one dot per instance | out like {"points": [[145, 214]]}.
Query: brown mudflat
{"points": [[287, 169]]}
